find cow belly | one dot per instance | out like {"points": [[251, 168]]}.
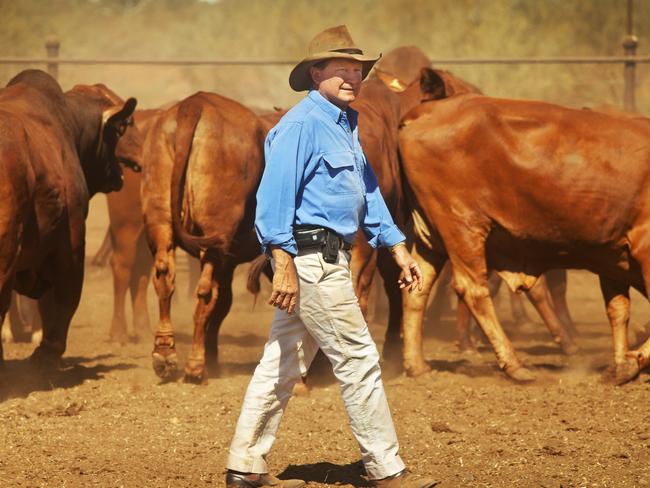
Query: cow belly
{"points": [[527, 257]]}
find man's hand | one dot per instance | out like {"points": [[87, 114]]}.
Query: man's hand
{"points": [[411, 274], [285, 281]]}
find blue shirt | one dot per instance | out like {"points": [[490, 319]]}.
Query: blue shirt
{"points": [[316, 174]]}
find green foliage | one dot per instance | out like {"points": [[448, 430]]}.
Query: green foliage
{"points": [[281, 29]]}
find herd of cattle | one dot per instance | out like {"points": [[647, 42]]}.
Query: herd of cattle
{"points": [[506, 190]]}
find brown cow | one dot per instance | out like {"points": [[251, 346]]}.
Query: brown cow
{"points": [[522, 187], [388, 94], [208, 150], [124, 246], [130, 260], [56, 151], [390, 91]]}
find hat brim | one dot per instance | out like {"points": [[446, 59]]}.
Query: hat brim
{"points": [[300, 79]]}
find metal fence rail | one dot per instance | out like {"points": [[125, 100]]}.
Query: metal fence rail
{"points": [[629, 61]]}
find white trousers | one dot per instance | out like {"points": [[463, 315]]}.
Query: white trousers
{"points": [[327, 316]]}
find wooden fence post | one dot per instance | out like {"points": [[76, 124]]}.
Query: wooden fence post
{"points": [[52, 46], [630, 43]]}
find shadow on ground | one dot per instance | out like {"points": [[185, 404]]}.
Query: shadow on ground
{"points": [[19, 378], [328, 473]]}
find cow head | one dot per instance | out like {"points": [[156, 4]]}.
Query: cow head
{"points": [[109, 139], [119, 144]]}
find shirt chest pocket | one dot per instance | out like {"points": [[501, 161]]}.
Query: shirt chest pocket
{"points": [[341, 172]]}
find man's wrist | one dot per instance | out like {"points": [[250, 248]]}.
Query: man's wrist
{"points": [[395, 247]]}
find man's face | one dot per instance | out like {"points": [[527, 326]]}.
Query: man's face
{"points": [[339, 81]]}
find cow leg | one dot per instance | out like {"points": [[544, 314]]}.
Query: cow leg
{"points": [[465, 322], [557, 285], [464, 319], [617, 302], [390, 272], [193, 274], [24, 318], [103, 255], [140, 276], [57, 306], [519, 315], [540, 297], [165, 360], [206, 293], [221, 309], [5, 301], [414, 305], [122, 260], [441, 303], [471, 284]]}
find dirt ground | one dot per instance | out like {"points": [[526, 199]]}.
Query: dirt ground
{"points": [[105, 419]]}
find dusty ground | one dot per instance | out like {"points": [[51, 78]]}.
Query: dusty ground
{"points": [[105, 420]]}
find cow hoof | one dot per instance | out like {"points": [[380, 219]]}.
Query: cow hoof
{"points": [[120, 337], [569, 347], [468, 348], [196, 378], [521, 374], [417, 370], [623, 372], [44, 357], [165, 367]]}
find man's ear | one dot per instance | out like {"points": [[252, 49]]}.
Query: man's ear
{"points": [[314, 74]]}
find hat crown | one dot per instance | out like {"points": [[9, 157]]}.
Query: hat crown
{"points": [[336, 39]]}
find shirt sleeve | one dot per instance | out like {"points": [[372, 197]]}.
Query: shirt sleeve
{"points": [[285, 153], [378, 225]]}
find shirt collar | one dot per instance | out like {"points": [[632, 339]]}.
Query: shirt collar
{"points": [[332, 110]]}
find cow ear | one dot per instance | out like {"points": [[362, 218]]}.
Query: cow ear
{"points": [[393, 83], [432, 85], [115, 120]]}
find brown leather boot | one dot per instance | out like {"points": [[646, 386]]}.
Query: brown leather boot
{"points": [[252, 480], [405, 479]]}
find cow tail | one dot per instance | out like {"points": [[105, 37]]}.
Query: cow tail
{"points": [[189, 115], [255, 272]]}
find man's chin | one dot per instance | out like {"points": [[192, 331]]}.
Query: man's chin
{"points": [[347, 96]]}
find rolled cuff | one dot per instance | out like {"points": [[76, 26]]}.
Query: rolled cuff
{"points": [[284, 242], [388, 237]]}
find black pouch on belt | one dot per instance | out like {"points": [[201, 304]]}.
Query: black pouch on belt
{"points": [[331, 248]]}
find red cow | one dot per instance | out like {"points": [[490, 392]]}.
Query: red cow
{"points": [[56, 151], [203, 162], [522, 187]]}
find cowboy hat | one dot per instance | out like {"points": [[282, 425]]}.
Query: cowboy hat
{"points": [[334, 42]]}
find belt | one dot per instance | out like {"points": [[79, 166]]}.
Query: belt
{"points": [[315, 237]]}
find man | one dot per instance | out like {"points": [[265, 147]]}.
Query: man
{"points": [[316, 191]]}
